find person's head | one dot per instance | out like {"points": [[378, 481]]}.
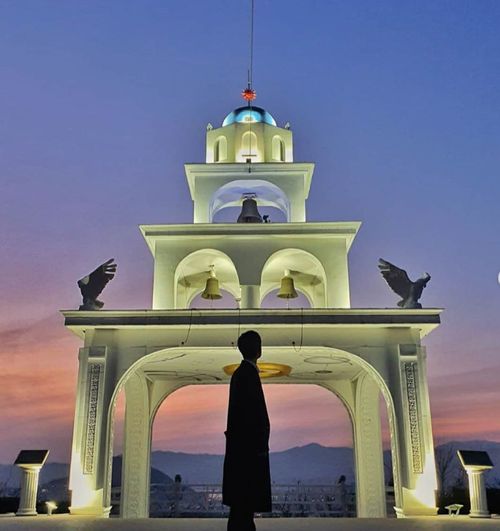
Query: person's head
{"points": [[341, 479], [250, 345]]}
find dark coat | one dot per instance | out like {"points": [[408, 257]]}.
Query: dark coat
{"points": [[247, 479]]}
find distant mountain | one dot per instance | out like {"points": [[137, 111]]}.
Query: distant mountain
{"points": [[310, 464], [10, 475], [54, 478]]}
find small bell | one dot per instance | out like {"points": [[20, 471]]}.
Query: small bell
{"points": [[211, 291], [249, 212], [287, 290]]}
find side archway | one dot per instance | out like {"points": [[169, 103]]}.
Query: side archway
{"points": [[306, 270], [193, 271], [230, 195]]}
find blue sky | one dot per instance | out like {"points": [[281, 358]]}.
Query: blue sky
{"points": [[102, 102]]}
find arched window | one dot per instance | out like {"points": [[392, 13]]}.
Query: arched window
{"points": [[220, 149], [249, 144], [278, 149]]}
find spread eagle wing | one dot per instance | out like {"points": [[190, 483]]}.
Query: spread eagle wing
{"points": [[397, 278], [92, 285]]}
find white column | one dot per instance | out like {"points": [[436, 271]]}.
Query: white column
{"points": [[250, 297], [136, 450], [89, 455], [29, 488], [413, 422], [370, 485], [142, 402], [361, 399], [477, 493]]}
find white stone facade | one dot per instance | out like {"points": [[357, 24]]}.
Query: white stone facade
{"points": [[358, 354]]}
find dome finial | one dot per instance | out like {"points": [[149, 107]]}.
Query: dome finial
{"points": [[249, 94]]}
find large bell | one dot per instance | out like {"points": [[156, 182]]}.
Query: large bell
{"points": [[287, 290], [249, 212], [212, 290]]}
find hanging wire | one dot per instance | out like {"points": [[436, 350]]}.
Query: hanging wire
{"points": [[301, 332], [183, 343], [235, 343]]}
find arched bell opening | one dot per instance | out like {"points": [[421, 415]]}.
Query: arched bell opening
{"points": [[266, 194], [193, 272], [278, 149], [220, 149], [249, 148], [306, 271]]}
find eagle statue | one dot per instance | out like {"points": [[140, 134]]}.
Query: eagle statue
{"points": [[92, 285], [400, 283]]}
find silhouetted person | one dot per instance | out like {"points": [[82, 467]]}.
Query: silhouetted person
{"points": [[246, 485], [341, 496]]}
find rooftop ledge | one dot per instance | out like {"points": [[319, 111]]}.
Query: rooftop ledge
{"points": [[425, 319], [346, 230]]}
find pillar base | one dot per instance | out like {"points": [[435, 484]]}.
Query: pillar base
{"points": [[26, 512], [479, 514], [99, 512]]}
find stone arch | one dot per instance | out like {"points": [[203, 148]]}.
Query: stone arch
{"points": [[231, 193], [306, 269], [278, 149], [192, 273], [346, 395], [220, 149], [249, 146]]}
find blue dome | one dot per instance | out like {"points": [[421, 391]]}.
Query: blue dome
{"points": [[245, 115]]}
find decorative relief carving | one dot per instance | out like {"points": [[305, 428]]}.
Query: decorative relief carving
{"points": [[416, 443], [94, 377], [367, 418], [134, 483]]}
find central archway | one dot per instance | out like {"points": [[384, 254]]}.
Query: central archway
{"points": [[150, 380]]}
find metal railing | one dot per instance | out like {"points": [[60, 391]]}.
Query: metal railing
{"points": [[292, 500]]}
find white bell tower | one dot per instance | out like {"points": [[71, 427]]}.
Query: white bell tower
{"points": [[249, 155], [359, 354]]}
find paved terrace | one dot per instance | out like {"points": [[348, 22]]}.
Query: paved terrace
{"points": [[76, 523]]}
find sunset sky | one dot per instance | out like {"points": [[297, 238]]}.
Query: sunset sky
{"points": [[101, 104]]}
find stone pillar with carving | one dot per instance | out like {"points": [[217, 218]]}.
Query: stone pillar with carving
{"points": [[136, 449], [370, 487], [361, 399], [411, 402], [142, 400], [88, 457]]}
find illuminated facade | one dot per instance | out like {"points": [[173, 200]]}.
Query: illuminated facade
{"points": [[360, 355]]}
